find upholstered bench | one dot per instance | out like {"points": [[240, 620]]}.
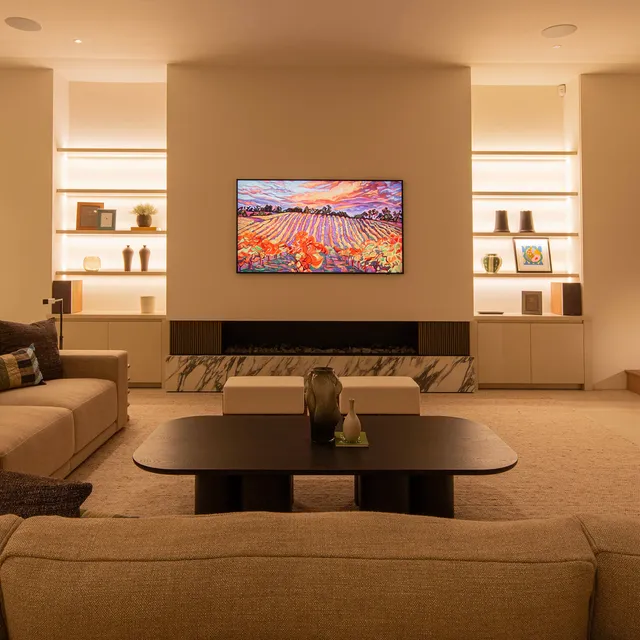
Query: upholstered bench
{"points": [[263, 394], [381, 394]]}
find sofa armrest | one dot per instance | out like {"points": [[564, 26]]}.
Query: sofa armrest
{"points": [[104, 365]]}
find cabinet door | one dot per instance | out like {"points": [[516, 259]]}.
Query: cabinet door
{"points": [[557, 353], [79, 334], [504, 353], [143, 342]]}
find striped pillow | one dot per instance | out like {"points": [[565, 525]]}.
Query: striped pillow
{"points": [[19, 369]]}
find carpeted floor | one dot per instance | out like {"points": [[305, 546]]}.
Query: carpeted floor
{"points": [[578, 452]]}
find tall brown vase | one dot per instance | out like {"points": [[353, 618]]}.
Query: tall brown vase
{"points": [[144, 258], [127, 254]]}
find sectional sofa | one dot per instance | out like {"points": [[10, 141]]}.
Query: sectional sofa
{"points": [[50, 429]]}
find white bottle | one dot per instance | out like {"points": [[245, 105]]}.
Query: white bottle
{"points": [[351, 426]]}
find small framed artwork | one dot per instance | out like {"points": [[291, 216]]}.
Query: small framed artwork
{"points": [[87, 216], [533, 255], [107, 219], [532, 303]]}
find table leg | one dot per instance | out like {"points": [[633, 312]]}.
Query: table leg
{"points": [[384, 492], [267, 492], [432, 495], [356, 489], [216, 493]]}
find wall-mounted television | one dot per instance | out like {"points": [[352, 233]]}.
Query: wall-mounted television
{"points": [[320, 226]]}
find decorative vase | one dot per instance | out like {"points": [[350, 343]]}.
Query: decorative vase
{"points": [[144, 258], [144, 219], [526, 222], [127, 254], [92, 263], [351, 427], [321, 391], [492, 262], [501, 222], [147, 304]]}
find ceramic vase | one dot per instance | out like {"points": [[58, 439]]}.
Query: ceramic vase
{"points": [[147, 304], [145, 252], [492, 262], [322, 391], [144, 219], [501, 222], [526, 222], [92, 263], [351, 427], [127, 255]]}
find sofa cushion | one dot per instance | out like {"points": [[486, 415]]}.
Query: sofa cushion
{"points": [[28, 495], [264, 575], [43, 335], [94, 403], [19, 369], [35, 440]]}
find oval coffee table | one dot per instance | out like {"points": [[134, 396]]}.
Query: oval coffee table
{"points": [[247, 462]]}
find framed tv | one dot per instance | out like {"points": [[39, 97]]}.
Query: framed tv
{"points": [[320, 226]]}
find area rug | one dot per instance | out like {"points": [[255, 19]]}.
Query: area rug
{"points": [[578, 452]]}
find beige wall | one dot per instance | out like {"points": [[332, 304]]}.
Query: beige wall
{"points": [[26, 166], [225, 124], [611, 223]]}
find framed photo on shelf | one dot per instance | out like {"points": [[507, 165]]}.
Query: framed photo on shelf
{"points": [[532, 303], [106, 219], [533, 255], [87, 216]]}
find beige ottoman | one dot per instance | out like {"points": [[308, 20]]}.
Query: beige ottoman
{"points": [[263, 394], [381, 394]]}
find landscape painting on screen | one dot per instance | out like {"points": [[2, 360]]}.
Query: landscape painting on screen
{"points": [[319, 226]]}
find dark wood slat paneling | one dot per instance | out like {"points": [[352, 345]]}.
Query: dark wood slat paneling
{"points": [[443, 339], [195, 338]]}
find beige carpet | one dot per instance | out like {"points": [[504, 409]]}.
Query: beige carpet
{"points": [[578, 452]]}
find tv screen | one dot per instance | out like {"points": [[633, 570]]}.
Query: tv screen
{"points": [[320, 226]]}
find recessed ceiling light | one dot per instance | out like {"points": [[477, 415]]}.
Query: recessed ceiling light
{"points": [[559, 30], [23, 24], [557, 46], [78, 41]]}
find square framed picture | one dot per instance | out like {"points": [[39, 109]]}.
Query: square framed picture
{"points": [[533, 255], [532, 303], [87, 216], [106, 219]]}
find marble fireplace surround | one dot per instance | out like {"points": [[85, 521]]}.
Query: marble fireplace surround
{"points": [[204, 354]]}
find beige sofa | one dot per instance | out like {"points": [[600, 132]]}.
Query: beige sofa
{"points": [[50, 429], [320, 575]]}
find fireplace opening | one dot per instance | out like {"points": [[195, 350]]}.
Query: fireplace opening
{"points": [[319, 338]]}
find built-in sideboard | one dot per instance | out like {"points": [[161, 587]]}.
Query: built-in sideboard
{"points": [[141, 335], [536, 351]]}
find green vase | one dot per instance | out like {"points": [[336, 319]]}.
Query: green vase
{"points": [[492, 263]]}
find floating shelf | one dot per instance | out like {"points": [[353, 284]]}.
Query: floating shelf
{"points": [[542, 234], [114, 191], [524, 194], [109, 151], [521, 154], [80, 232], [109, 272], [507, 274]]}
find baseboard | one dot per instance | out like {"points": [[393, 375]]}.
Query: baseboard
{"points": [[550, 387]]}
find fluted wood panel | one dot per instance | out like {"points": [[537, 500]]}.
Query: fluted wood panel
{"points": [[443, 339], [195, 338]]}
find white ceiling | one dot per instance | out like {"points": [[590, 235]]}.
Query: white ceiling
{"points": [[499, 39]]}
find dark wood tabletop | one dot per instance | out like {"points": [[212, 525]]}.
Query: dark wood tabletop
{"points": [[248, 444]]}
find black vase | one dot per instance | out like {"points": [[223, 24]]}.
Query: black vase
{"points": [[501, 222], [322, 391], [526, 222]]}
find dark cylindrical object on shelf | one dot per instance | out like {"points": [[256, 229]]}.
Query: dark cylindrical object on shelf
{"points": [[144, 258], [526, 222], [127, 254], [502, 222]]}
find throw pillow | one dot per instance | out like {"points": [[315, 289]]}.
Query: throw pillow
{"points": [[19, 369], [43, 335], [26, 496]]}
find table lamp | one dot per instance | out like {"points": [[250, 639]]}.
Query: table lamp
{"points": [[53, 301]]}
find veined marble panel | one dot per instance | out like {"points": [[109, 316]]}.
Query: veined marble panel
{"points": [[453, 374]]}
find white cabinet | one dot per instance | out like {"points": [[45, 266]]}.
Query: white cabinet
{"points": [[557, 354], [142, 340], [85, 335], [504, 353], [524, 353]]}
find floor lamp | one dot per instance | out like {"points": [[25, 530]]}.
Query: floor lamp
{"points": [[53, 301]]}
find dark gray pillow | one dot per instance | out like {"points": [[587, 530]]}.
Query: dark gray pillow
{"points": [[43, 335], [26, 496]]}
